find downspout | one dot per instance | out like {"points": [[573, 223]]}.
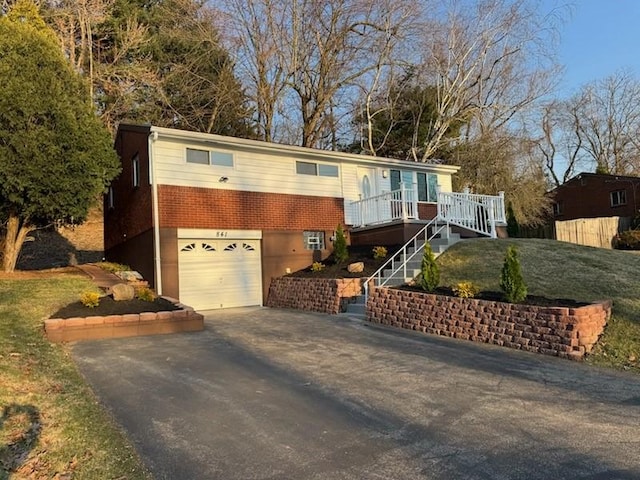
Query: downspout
{"points": [[153, 136]]}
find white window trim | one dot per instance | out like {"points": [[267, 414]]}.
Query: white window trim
{"points": [[317, 164], [209, 152], [414, 181]]}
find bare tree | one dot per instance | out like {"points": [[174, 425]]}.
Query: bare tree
{"points": [[489, 61]]}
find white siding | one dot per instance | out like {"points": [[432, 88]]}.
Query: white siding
{"points": [[260, 171], [250, 172]]}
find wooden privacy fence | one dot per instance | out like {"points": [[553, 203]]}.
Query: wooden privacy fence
{"points": [[593, 232]]}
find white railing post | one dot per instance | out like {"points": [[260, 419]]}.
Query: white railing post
{"points": [[492, 219], [403, 206]]}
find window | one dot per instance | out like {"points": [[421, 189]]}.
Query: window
{"points": [[317, 169], [135, 170], [314, 240], [619, 197], [558, 208], [197, 156], [206, 157], [427, 183], [110, 203]]}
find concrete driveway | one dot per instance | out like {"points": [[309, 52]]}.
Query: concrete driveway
{"points": [[274, 394]]}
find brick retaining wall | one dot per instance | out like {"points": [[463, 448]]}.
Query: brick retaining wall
{"points": [[129, 325], [560, 331], [323, 295]]}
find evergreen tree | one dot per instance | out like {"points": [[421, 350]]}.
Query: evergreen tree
{"points": [[340, 250], [430, 273], [55, 155], [511, 280]]}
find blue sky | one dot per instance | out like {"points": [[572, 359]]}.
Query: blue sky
{"points": [[598, 38]]}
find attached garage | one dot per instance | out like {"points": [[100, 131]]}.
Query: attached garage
{"points": [[219, 269]]}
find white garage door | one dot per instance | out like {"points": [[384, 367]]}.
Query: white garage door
{"points": [[221, 273]]}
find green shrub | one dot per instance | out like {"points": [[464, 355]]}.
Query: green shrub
{"points": [[90, 299], [379, 253], [465, 290], [317, 267], [628, 240], [145, 294], [340, 250], [113, 267], [430, 273], [511, 280]]}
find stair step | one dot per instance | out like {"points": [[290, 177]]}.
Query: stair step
{"points": [[357, 308]]}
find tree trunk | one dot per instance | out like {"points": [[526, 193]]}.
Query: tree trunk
{"points": [[17, 231]]}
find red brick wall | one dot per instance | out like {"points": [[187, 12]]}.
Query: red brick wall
{"points": [[132, 212], [589, 197], [312, 294], [563, 332], [427, 211], [188, 207]]}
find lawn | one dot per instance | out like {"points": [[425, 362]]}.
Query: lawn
{"points": [[563, 270], [52, 425]]}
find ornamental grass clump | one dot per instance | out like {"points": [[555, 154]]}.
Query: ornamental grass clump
{"points": [[511, 280], [465, 290], [379, 252], [145, 294], [317, 266], [430, 273]]}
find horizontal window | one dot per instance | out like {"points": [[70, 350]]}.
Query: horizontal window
{"points": [[209, 157], [317, 169]]}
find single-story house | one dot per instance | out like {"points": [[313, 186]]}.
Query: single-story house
{"points": [[593, 195], [210, 219]]}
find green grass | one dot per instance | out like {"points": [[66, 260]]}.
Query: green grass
{"points": [[562, 270], [51, 422]]}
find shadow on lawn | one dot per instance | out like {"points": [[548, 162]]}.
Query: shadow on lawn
{"points": [[20, 428]]}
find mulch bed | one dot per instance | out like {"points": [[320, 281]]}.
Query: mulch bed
{"points": [[356, 254], [108, 306], [499, 297]]}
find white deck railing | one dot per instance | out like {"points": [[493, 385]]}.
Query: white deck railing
{"points": [[479, 213], [399, 204]]}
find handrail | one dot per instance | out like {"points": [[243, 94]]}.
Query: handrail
{"points": [[402, 253], [479, 213], [401, 204]]}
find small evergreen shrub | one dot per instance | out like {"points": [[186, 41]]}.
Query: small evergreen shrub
{"points": [[379, 253], [317, 267], [465, 290], [513, 228], [430, 273], [340, 250], [145, 294], [90, 299], [511, 280]]}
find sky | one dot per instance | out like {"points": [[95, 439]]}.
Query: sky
{"points": [[597, 39]]}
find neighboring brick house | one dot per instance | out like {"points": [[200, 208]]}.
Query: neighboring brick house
{"points": [[211, 219], [592, 195]]}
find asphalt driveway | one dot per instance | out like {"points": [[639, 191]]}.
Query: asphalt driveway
{"points": [[275, 394]]}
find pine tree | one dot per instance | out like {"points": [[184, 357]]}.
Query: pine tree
{"points": [[511, 280], [340, 249], [430, 273]]}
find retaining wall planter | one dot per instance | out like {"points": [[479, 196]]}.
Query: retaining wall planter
{"points": [[325, 295], [560, 331], [118, 326]]}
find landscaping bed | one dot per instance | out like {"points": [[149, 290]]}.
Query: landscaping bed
{"points": [[108, 306]]}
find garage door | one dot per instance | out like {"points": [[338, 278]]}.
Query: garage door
{"points": [[221, 273]]}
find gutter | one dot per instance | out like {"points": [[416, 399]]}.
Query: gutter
{"points": [[153, 136]]}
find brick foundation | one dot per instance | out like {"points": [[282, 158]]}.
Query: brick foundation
{"points": [[323, 295], [118, 326], [559, 331]]}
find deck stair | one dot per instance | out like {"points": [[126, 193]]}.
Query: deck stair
{"points": [[405, 264]]}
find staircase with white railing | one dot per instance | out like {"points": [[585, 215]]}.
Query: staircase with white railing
{"points": [[404, 265]]}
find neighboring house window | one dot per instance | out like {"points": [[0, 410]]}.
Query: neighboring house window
{"points": [[314, 240], [317, 169], [135, 170], [558, 208], [427, 183], [209, 157], [110, 203], [619, 197]]}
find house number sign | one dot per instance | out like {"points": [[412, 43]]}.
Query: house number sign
{"points": [[222, 234]]}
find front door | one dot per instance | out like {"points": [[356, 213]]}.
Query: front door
{"points": [[367, 189]]}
